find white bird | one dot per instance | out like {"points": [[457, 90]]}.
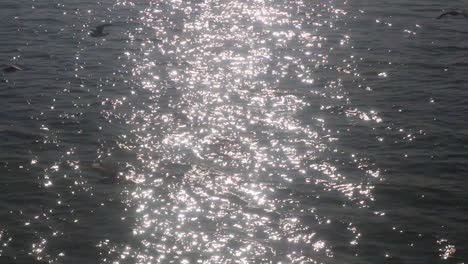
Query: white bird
{"points": [[463, 13], [11, 68]]}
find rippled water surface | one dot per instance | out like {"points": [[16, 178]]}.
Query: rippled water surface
{"points": [[240, 131]]}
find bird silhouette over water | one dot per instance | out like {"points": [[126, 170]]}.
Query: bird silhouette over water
{"points": [[99, 31], [454, 13], [11, 68]]}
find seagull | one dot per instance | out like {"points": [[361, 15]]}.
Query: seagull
{"points": [[454, 13], [99, 31], [11, 68]]}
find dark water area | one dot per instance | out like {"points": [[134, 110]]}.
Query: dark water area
{"points": [[257, 131]]}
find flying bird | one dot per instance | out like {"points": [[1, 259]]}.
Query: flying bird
{"points": [[11, 68], [454, 13], [99, 31]]}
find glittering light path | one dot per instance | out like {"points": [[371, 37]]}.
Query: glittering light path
{"points": [[232, 131], [227, 171]]}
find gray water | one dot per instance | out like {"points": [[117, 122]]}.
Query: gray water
{"points": [[253, 131]]}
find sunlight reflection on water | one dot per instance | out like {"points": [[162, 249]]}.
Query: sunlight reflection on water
{"points": [[252, 131], [227, 88]]}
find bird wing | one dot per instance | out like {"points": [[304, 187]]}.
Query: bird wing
{"points": [[100, 28], [452, 13], [16, 67]]}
